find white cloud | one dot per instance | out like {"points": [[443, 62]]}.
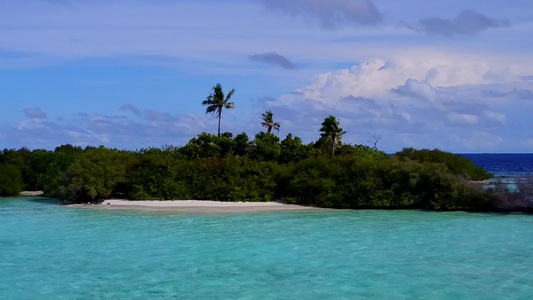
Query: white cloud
{"points": [[416, 89], [30, 124], [463, 119], [478, 140], [397, 97], [432, 80], [496, 117]]}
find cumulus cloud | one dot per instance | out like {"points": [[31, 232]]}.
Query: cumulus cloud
{"points": [[416, 89], [417, 100], [275, 59], [332, 13], [468, 22], [34, 113]]}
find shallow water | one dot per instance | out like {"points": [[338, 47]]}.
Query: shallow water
{"points": [[49, 251]]}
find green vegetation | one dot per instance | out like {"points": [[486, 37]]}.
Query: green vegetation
{"points": [[331, 133], [227, 168], [96, 174], [456, 164], [268, 121], [10, 180], [356, 182], [325, 173], [216, 101], [161, 177]]}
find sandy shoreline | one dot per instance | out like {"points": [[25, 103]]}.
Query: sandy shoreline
{"points": [[197, 206], [31, 193]]}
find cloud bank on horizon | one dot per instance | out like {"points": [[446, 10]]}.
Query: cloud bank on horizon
{"points": [[456, 75]]}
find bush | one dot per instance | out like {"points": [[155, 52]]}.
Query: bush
{"points": [[10, 180], [366, 183], [454, 162], [48, 167], [95, 175], [20, 159], [265, 147], [212, 179]]}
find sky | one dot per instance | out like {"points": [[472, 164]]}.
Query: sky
{"points": [[456, 75]]}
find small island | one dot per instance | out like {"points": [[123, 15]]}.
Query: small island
{"points": [[226, 168], [234, 169]]}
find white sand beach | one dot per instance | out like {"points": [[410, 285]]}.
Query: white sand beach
{"points": [[197, 206], [31, 193]]}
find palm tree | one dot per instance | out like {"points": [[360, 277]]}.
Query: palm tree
{"points": [[331, 132], [216, 102], [268, 121]]}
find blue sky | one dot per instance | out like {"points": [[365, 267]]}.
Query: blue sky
{"points": [[455, 75]]}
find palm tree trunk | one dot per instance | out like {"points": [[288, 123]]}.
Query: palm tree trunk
{"points": [[219, 117], [269, 129], [333, 146]]}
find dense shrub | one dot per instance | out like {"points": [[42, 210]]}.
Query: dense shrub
{"points": [[265, 147], [368, 183], [213, 179], [454, 162], [21, 160], [95, 175], [10, 180], [48, 167]]}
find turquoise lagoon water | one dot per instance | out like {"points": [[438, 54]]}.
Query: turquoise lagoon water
{"points": [[49, 251]]}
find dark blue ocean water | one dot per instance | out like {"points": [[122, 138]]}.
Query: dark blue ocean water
{"points": [[504, 164]]}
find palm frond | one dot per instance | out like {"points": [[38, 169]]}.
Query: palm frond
{"points": [[212, 109], [228, 96]]}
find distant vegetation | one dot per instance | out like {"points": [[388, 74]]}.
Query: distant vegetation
{"points": [[223, 167]]}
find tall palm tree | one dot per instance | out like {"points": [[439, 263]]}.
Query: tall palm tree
{"points": [[268, 121], [332, 132], [216, 102]]}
